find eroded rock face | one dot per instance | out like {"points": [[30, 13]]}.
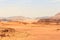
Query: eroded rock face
{"points": [[7, 32]]}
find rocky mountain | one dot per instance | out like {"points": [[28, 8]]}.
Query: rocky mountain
{"points": [[57, 16], [27, 19], [17, 18], [21, 19]]}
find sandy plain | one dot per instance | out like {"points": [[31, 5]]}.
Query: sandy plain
{"points": [[30, 31]]}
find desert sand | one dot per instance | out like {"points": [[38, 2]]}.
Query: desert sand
{"points": [[29, 31]]}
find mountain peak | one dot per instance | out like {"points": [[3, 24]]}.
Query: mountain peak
{"points": [[58, 14]]}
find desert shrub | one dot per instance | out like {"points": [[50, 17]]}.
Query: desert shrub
{"points": [[24, 23], [34, 22], [57, 29], [2, 35], [7, 32]]}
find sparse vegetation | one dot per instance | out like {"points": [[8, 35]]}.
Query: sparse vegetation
{"points": [[7, 32], [57, 29]]}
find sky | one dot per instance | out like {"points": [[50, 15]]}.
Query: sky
{"points": [[29, 8]]}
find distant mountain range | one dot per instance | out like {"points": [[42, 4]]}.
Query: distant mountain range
{"points": [[18, 18], [57, 16], [26, 19]]}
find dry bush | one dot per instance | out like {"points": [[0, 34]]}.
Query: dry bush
{"points": [[34, 23], [24, 23], [57, 29], [7, 32]]}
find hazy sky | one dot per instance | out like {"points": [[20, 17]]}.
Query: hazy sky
{"points": [[29, 8]]}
